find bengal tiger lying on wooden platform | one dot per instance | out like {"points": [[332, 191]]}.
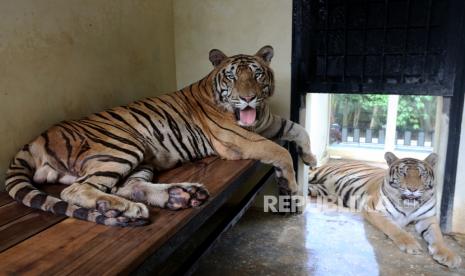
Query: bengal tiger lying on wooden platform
{"points": [[390, 199], [108, 159]]}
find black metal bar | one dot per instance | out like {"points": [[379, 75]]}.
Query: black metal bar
{"points": [[376, 28], [404, 54], [456, 43], [297, 48], [326, 39], [383, 47], [432, 89], [428, 30], [392, 53], [296, 56], [346, 15], [364, 43]]}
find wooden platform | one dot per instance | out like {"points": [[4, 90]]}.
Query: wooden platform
{"points": [[35, 242]]}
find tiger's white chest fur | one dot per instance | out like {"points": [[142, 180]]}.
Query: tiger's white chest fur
{"points": [[404, 214]]}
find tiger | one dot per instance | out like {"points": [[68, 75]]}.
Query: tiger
{"points": [[108, 159], [389, 199]]}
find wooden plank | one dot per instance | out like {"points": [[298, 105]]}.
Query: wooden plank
{"points": [[73, 250], [25, 227], [5, 198], [18, 222], [12, 211], [216, 178], [13, 233]]}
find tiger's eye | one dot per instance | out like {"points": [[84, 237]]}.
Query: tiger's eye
{"points": [[229, 75]]}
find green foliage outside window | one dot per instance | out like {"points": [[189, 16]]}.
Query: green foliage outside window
{"points": [[416, 113], [370, 111]]}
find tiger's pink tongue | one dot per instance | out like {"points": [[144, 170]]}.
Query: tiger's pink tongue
{"points": [[248, 115]]}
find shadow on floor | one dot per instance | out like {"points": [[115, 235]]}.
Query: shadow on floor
{"points": [[318, 242]]}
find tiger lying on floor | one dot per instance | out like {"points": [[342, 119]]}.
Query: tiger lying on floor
{"points": [[389, 199], [108, 159]]}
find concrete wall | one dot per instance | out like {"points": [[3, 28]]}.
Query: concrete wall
{"points": [[65, 59], [234, 26]]}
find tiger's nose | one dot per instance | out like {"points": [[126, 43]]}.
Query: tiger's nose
{"points": [[411, 189], [247, 98]]}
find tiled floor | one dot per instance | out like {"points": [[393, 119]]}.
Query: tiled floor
{"points": [[318, 242]]}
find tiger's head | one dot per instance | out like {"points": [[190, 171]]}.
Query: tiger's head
{"points": [[242, 83], [410, 181]]}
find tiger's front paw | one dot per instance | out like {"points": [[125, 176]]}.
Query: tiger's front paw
{"points": [[186, 196], [445, 256], [408, 244], [309, 159], [287, 187]]}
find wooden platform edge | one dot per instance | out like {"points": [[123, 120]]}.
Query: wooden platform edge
{"points": [[162, 254], [190, 265]]}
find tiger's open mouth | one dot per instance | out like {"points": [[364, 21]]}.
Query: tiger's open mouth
{"points": [[410, 203], [247, 116], [411, 200], [410, 197]]}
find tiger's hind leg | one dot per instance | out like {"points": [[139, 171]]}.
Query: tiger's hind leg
{"points": [[138, 187], [90, 191], [88, 196]]}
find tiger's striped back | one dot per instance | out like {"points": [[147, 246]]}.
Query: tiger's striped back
{"points": [[347, 181], [157, 130]]}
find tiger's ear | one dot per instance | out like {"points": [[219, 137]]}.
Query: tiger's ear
{"points": [[431, 159], [266, 53], [216, 57], [390, 157]]}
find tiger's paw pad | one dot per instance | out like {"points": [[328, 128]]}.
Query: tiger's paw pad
{"points": [[445, 256], [182, 197]]}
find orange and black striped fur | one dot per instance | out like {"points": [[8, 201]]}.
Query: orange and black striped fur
{"points": [[108, 159], [389, 199]]}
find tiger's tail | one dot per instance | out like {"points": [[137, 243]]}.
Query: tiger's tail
{"points": [[20, 187]]}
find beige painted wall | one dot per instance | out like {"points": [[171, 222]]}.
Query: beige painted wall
{"points": [[65, 59], [234, 26]]}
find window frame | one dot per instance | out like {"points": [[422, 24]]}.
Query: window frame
{"points": [[452, 90]]}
